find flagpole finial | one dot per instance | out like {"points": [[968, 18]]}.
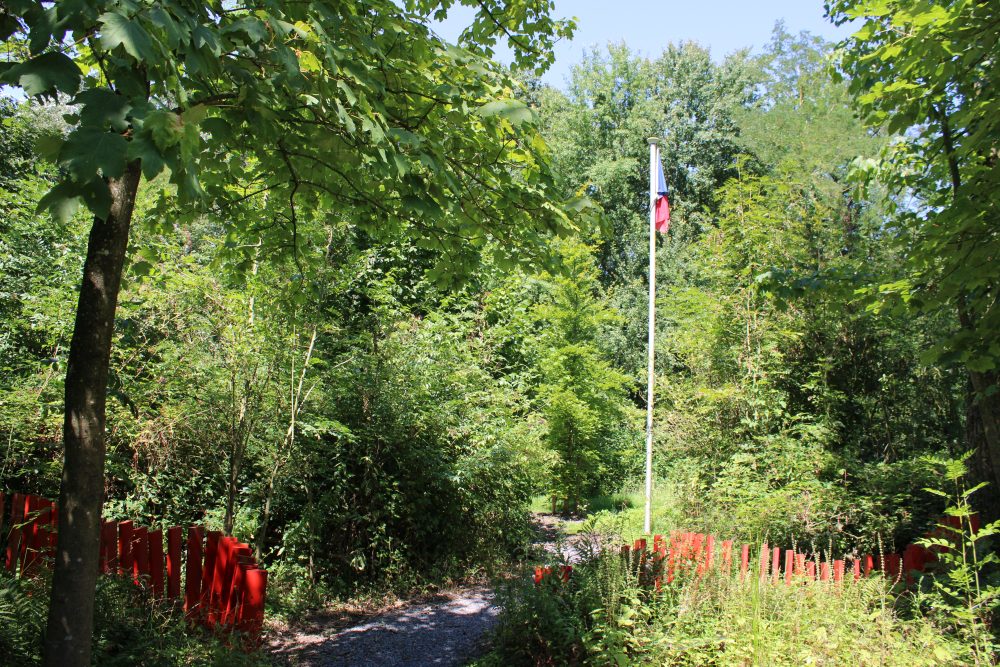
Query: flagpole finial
{"points": [[652, 141]]}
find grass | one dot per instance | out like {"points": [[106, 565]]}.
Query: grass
{"points": [[604, 616]]}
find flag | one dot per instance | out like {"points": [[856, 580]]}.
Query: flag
{"points": [[662, 206]]}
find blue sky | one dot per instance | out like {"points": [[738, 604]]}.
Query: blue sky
{"points": [[648, 25]]}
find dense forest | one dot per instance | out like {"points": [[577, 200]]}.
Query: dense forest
{"points": [[383, 300]]}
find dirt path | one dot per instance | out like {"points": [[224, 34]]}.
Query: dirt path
{"points": [[449, 629]]}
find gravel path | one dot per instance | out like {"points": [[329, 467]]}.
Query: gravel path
{"points": [[447, 632]]}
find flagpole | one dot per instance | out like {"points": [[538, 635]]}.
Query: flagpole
{"points": [[653, 158]]}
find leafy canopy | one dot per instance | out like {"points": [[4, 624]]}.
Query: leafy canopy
{"points": [[928, 71], [354, 109]]}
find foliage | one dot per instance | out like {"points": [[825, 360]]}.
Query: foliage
{"points": [[327, 105], [603, 616], [130, 628], [963, 595], [927, 71], [588, 424]]}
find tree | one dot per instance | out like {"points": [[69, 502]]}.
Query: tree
{"points": [[928, 72], [353, 109], [580, 394]]}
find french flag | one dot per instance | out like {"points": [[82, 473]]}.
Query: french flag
{"points": [[662, 207]]}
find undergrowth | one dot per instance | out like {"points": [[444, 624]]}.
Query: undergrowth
{"points": [[603, 616], [130, 628]]}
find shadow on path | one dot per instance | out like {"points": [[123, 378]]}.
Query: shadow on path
{"points": [[449, 633]]}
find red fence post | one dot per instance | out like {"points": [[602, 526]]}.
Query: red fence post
{"points": [[789, 565], [857, 569], [251, 620], [764, 551], [223, 551], [229, 601], [140, 555], [192, 584], [775, 559], [29, 534], [869, 564], [125, 547], [174, 562], [208, 570], [810, 570], [838, 571], [14, 534], [156, 562], [727, 555], [744, 561]]}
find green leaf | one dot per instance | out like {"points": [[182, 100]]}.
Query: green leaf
{"points": [[514, 111], [45, 74], [62, 201], [143, 149], [102, 107], [89, 151], [116, 30]]}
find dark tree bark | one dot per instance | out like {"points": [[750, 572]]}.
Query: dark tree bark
{"points": [[982, 432], [81, 496]]}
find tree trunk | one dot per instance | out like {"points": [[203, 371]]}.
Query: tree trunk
{"points": [[982, 429], [71, 611]]}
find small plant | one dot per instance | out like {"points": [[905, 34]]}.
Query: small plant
{"points": [[960, 592]]}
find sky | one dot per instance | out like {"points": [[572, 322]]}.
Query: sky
{"points": [[648, 25]]}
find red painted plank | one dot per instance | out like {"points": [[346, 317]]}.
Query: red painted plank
{"points": [[762, 561], [892, 563], [108, 558], [727, 554], [709, 551], [857, 569], [140, 555], [223, 552], [255, 592], [744, 560], [869, 564], [838, 570], [29, 534], [789, 565], [775, 560], [125, 563], [156, 562], [193, 578], [208, 569], [233, 577], [14, 534], [224, 583], [824, 571], [174, 562], [810, 570]]}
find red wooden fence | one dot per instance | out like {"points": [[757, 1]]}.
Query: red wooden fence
{"points": [[692, 554], [224, 589]]}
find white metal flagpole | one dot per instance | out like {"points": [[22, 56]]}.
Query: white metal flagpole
{"points": [[654, 157]]}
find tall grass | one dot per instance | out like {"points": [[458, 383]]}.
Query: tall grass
{"points": [[607, 614]]}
